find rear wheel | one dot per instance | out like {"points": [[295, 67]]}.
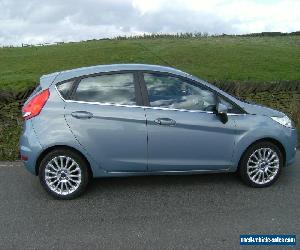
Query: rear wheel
{"points": [[64, 174], [261, 164]]}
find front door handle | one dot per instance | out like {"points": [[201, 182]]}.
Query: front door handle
{"points": [[82, 115], [165, 121]]}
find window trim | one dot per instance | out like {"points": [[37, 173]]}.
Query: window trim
{"points": [[218, 95], [76, 81]]}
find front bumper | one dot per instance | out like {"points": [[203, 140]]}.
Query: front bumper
{"points": [[291, 143]]}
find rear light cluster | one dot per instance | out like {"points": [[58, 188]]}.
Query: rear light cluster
{"points": [[35, 105]]}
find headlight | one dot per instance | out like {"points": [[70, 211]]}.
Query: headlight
{"points": [[284, 121]]}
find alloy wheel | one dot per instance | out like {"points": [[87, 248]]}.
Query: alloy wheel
{"points": [[63, 175], [263, 165]]}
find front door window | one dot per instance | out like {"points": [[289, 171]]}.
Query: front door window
{"points": [[172, 92]]}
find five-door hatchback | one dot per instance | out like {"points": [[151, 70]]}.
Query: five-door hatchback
{"points": [[134, 119]]}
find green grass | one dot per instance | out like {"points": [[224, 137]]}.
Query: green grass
{"points": [[252, 59]]}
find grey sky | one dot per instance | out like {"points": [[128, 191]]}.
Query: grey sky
{"points": [[36, 21]]}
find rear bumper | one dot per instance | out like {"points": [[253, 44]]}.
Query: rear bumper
{"points": [[30, 147]]}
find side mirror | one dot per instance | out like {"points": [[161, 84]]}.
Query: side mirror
{"points": [[222, 112]]}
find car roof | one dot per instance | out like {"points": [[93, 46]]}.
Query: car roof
{"points": [[73, 73]]}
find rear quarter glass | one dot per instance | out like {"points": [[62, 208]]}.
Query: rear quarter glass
{"points": [[65, 89]]}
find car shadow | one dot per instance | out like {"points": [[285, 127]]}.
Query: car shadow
{"points": [[163, 181]]}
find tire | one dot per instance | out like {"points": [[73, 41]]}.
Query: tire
{"points": [[59, 178], [261, 164]]}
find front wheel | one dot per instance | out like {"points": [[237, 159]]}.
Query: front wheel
{"points": [[64, 174], [261, 164]]}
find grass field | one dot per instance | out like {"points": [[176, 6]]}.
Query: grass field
{"points": [[252, 59], [262, 69]]}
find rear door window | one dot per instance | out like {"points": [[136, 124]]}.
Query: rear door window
{"points": [[113, 88]]}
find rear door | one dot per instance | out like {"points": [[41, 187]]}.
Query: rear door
{"points": [[184, 134], [104, 115]]}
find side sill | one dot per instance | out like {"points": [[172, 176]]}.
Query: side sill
{"points": [[173, 172]]}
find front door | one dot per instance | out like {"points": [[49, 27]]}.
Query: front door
{"points": [[184, 134]]}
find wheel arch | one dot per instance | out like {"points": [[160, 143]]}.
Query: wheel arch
{"points": [[266, 139], [48, 150]]}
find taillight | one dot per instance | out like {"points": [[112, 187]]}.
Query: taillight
{"points": [[35, 105]]}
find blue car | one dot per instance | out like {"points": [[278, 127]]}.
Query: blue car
{"points": [[136, 119]]}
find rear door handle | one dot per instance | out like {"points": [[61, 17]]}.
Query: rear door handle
{"points": [[165, 121], [82, 115]]}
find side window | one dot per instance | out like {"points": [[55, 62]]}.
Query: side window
{"points": [[65, 89], [116, 88], [172, 92]]}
